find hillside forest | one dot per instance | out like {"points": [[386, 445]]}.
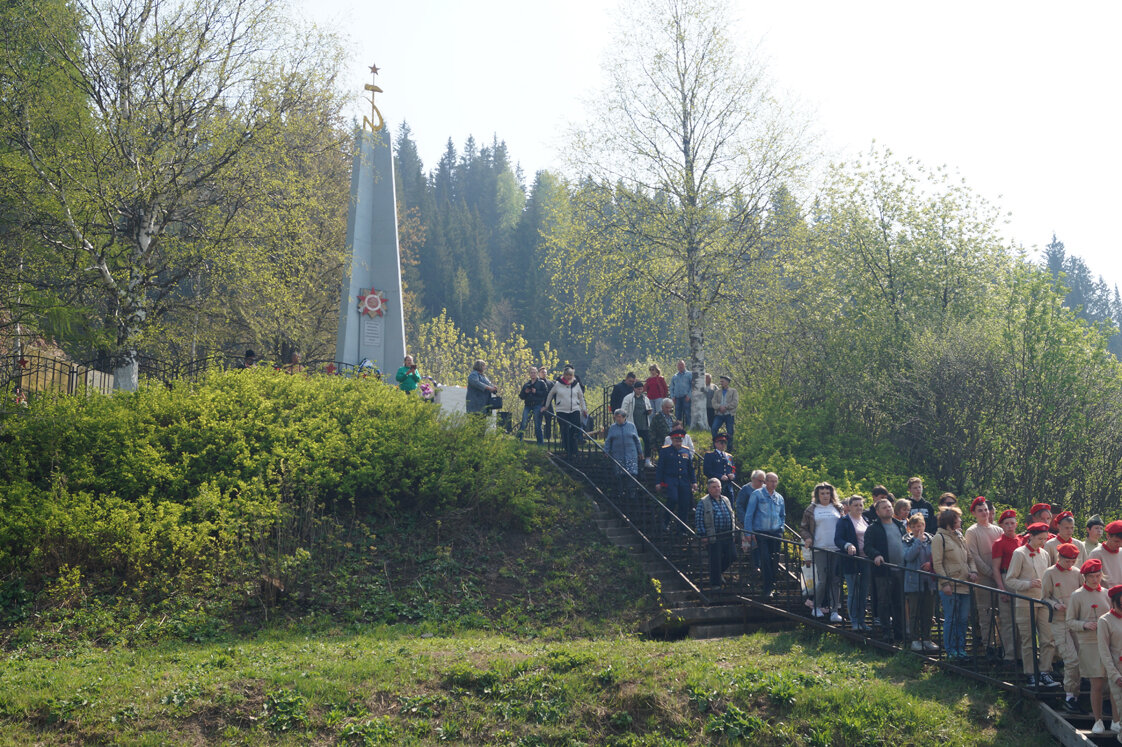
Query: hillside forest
{"points": [[879, 327]]}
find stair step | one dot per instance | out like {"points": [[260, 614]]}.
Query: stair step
{"points": [[717, 631]]}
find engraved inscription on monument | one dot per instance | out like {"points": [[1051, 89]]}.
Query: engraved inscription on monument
{"points": [[372, 332]]}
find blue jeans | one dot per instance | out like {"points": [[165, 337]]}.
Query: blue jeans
{"points": [[857, 595], [765, 560], [682, 410], [956, 613], [725, 420], [529, 411]]}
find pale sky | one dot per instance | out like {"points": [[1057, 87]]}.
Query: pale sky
{"points": [[1021, 98]]}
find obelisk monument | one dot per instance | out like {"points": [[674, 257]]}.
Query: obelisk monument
{"points": [[371, 322]]}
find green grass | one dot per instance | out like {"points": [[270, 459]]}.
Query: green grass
{"points": [[390, 685]]}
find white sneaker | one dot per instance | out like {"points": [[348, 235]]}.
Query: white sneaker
{"points": [[835, 617], [1115, 727], [818, 612], [917, 646], [650, 463], [1098, 728], [930, 646]]}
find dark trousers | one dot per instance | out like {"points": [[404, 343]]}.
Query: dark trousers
{"points": [[720, 558], [645, 437], [570, 431], [890, 604], [682, 410], [679, 499], [921, 610], [766, 549]]}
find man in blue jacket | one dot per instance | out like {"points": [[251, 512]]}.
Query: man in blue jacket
{"points": [[675, 476], [765, 516], [680, 385], [718, 463]]}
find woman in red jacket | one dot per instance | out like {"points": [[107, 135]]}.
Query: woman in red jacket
{"points": [[656, 388]]}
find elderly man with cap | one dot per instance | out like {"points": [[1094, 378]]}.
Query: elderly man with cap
{"points": [[1065, 535], [1088, 603], [661, 424], [1026, 578], [725, 400], [979, 544], [1110, 553], [718, 463], [1060, 582], [639, 411], [675, 476], [1109, 632], [714, 524]]}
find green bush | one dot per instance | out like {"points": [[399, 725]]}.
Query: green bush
{"points": [[236, 476]]}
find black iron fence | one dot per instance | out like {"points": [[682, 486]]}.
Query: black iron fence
{"points": [[998, 636]]}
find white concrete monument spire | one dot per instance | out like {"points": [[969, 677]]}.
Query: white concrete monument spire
{"points": [[371, 322]]}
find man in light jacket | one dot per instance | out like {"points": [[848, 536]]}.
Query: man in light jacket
{"points": [[680, 385], [725, 400]]}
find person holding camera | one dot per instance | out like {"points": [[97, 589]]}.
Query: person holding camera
{"points": [[407, 376], [479, 389], [533, 395]]}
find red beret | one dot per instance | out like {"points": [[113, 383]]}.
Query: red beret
{"points": [[1068, 550], [1114, 527], [979, 501], [1094, 565], [1114, 591], [1007, 514], [1064, 515], [1037, 528], [1038, 507]]}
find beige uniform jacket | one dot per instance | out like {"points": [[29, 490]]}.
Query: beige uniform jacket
{"points": [[1112, 565], [1084, 607], [1025, 567], [1110, 645], [1055, 542], [979, 543], [1058, 586]]}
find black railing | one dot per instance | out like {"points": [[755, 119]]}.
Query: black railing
{"points": [[799, 569]]}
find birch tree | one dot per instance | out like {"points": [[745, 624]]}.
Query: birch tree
{"points": [[177, 93], [681, 156]]}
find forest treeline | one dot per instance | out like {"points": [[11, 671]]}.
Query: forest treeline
{"points": [[879, 326]]}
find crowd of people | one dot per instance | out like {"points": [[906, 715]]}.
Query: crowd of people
{"points": [[1033, 599]]}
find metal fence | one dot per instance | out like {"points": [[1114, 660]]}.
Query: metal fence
{"points": [[897, 621]]}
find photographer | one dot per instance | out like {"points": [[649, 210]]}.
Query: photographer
{"points": [[533, 395], [407, 376]]}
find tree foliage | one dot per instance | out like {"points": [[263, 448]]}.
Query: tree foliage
{"points": [[678, 166], [145, 190]]}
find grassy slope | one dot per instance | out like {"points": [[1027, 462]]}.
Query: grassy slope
{"points": [[391, 686], [452, 627]]}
